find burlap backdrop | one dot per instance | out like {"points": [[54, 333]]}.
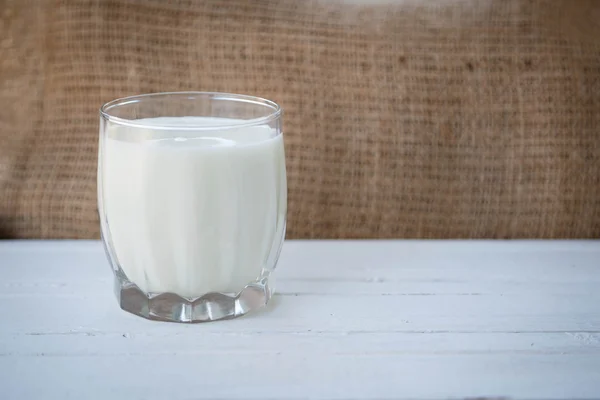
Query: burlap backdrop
{"points": [[409, 119]]}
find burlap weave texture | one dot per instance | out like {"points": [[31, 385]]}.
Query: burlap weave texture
{"points": [[407, 119]]}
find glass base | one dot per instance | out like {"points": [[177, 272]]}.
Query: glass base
{"points": [[174, 308]]}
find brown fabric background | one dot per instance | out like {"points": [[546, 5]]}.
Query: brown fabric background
{"points": [[445, 119]]}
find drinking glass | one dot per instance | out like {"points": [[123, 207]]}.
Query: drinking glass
{"points": [[192, 199]]}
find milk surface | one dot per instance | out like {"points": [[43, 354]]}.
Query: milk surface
{"points": [[192, 212]]}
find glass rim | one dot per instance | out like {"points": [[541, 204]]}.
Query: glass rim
{"points": [[275, 113]]}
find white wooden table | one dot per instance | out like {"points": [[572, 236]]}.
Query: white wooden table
{"points": [[385, 319]]}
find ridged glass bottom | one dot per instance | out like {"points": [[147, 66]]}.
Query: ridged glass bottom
{"points": [[174, 308]]}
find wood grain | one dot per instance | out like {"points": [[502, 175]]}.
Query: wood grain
{"points": [[370, 319]]}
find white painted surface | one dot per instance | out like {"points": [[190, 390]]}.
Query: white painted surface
{"points": [[385, 319]]}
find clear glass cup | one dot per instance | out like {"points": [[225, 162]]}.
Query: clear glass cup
{"points": [[192, 198]]}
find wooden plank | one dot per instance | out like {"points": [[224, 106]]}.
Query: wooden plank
{"points": [[210, 376], [385, 319]]}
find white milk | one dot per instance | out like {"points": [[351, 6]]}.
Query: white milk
{"points": [[192, 212]]}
